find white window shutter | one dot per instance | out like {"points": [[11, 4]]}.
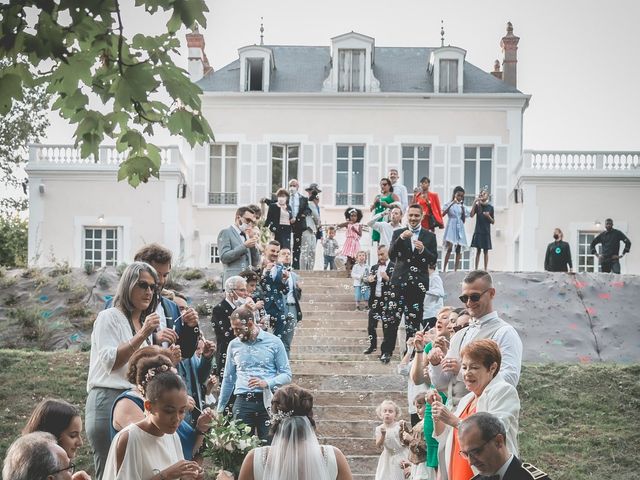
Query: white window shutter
{"points": [[438, 171], [262, 183], [307, 164], [456, 173], [245, 180], [393, 160], [501, 178], [372, 167], [327, 174], [200, 173]]}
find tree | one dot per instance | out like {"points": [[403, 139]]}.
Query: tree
{"points": [[77, 50], [13, 241]]}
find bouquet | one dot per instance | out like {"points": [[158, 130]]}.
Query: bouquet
{"points": [[227, 443]]}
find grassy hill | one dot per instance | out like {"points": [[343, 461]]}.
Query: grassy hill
{"points": [[577, 422]]}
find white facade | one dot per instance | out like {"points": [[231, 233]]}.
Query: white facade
{"points": [[345, 141]]}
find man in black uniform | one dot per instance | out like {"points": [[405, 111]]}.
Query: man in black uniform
{"points": [[482, 442], [610, 254], [558, 256]]}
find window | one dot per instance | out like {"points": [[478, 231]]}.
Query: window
{"points": [[222, 174], [351, 70], [284, 165], [415, 165], [214, 257], [100, 246], [477, 171], [586, 261], [448, 76], [350, 175], [465, 261], [253, 82]]}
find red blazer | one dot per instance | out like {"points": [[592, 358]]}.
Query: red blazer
{"points": [[432, 205]]}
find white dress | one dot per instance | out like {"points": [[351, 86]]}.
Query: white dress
{"points": [[146, 455], [454, 231], [260, 455], [394, 452]]}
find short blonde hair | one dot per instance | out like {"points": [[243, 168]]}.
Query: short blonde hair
{"points": [[387, 402], [444, 310]]}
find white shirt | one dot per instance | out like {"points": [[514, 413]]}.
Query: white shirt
{"points": [[385, 229], [434, 299], [381, 268], [507, 339], [357, 273], [504, 468], [110, 329], [401, 191]]}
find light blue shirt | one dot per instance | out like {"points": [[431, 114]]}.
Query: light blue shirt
{"points": [[295, 204], [264, 358]]}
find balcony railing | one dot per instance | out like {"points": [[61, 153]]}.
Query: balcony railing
{"points": [[223, 198], [580, 162], [107, 155], [347, 199]]}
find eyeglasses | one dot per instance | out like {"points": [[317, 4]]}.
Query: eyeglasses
{"points": [[474, 297], [72, 467], [248, 221], [474, 452], [142, 285]]}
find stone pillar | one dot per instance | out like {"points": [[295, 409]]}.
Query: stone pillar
{"points": [[509, 45]]}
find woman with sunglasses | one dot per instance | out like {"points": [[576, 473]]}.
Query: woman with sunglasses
{"points": [[63, 421], [385, 200], [117, 333], [488, 392]]}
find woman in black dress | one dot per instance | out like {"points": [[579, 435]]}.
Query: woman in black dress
{"points": [[482, 233]]}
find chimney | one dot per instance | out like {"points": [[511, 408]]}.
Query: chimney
{"points": [[198, 61], [509, 44], [496, 70]]}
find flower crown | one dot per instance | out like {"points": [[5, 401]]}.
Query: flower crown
{"points": [[280, 416], [151, 373]]}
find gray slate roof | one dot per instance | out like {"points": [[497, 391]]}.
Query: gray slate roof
{"points": [[399, 69]]}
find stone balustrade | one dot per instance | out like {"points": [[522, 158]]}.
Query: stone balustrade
{"points": [[577, 162], [40, 154]]}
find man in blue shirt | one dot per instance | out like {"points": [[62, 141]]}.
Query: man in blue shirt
{"points": [[256, 361]]}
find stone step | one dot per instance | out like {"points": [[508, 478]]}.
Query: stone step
{"points": [[303, 347], [317, 322], [311, 298], [357, 382], [363, 464], [344, 412], [330, 340], [330, 306], [334, 314], [349, 357], [323, 273], [354, 332], [358, 398], [353, 445], [359, 428], [337, 368], [339, 289]]}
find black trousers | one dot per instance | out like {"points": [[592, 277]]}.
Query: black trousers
{"points": [[283, 235], [297, 244], [377, 312], [412, 303]]}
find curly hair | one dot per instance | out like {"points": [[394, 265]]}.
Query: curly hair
{"points": [[154, 352], [153, 253], [291, 400], [347, 213], [154, 376]]}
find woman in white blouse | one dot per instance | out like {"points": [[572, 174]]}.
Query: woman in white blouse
{"points": [[488, 392], [117, 333]]}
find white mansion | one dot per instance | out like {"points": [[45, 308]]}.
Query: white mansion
{"points": [[341, 116]]}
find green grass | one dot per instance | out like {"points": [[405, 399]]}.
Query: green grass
{"points": [[577, 421]]}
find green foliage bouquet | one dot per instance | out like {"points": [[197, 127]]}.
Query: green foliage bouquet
{"points": [[228, 442]]}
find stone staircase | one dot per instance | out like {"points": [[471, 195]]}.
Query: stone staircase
{"points": [[326, 357]]}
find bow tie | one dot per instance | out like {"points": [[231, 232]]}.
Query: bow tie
{"points": [[382, 264], [473, 323], [416, 230]]}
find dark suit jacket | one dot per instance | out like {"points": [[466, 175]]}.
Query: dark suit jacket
{"points": [[405, 258], [301, 218], [386, 286], [273, 216], [220, 319], [521, 471]]}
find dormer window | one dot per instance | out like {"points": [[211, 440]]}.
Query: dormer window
{"points": [[256, 65], [351, 70], [254, 75], [448, 76]]}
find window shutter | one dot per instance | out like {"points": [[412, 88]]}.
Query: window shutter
{"points": [[200, 177], [262, 183], [393, 160], [501, 182], [244, 175], [438, 171], [456, 173], [307, 163], [372, 165], [327, 175]]}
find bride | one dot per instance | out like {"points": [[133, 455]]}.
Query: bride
{"points": [[295, 453]]}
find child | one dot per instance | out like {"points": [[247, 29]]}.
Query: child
{"points": [[414, 439], [388, 437], [481, 240], [454, 234], [359, 273], [354, 232], [330, 246]]}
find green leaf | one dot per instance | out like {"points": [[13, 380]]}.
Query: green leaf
{"points": [[10, 88]]}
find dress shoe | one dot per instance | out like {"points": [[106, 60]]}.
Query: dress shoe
{"points": [[369, 350], [385, 358]]}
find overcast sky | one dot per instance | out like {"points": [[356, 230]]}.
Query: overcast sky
{"points": [[579, 59]]}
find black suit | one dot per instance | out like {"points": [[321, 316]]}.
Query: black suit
{"points": [[299, 226], [520, 471], [378, 305], [220, 319], [282, 233], [410, 280]]}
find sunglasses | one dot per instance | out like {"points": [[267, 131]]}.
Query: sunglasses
{"points": [[142, 285], [72, 467], [474, 452], [474, 297]]}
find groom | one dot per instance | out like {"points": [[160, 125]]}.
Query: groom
{"points": [[412, 250]]}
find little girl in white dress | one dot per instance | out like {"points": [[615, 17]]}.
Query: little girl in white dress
{"points": [[388, 437]]}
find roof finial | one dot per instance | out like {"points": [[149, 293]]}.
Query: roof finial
{"points": [[442, 33], [261, 31]]}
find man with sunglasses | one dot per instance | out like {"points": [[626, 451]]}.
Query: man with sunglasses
{"points": [[482, 442], [237, 245], [444, 360]]}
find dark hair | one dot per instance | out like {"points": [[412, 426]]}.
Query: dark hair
{"points": [[249, 276], [385, 179], [456, 190], [255, 209], [153, 354], [477, 274], [274, 242], [154, 377], [331, 229], [415, 205], [489, 425], [291, 400], [347, 213], [242, 210], [425, 179], [153, 253], [51, 415]]}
